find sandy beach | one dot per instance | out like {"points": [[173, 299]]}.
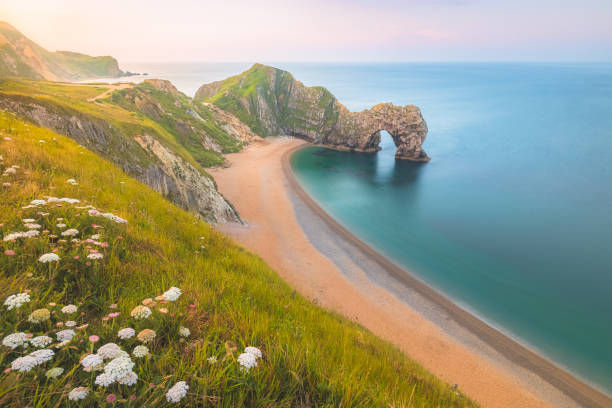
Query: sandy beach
{"points": [[328, 264]]}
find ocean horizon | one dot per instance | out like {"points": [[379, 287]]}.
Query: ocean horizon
{"points": [[510, 219]]}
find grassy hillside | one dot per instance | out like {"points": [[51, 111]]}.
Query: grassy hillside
{"points": [[230, 299], [20, 57]]}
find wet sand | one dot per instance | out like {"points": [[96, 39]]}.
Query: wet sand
{"points": [[328, 264]]}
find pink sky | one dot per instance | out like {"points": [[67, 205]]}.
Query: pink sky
{"points": [[318, 30]]}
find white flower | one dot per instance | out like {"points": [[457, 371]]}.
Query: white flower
{"points": [[140, 312], [104, 380], [119, 367], [69, 200], [69, 309], [109, 350], [177, 392], [72, 181], [60, 225], [95, 236], [78, 393], [32, 226], [41, 341], [15, 235], [93, 212], [38, 202], [70, 232], [95, 255], [14, 340], [50, 257], [184, 331], [16, 301], [126, 333], [91, 360], [42, 355], [70, 323], [31, 233], [140, 351], [28, 220], [212, 359], [172, 294], [55, 372], [24, 363], [113, 217], [10, 170], [254, 351], [130, 379], [247, 361], [65, 335]]}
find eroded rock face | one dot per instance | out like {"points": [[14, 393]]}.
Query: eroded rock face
{"points": [[271, 102]]}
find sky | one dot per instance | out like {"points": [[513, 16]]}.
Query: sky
{"points": [[320, 30]]}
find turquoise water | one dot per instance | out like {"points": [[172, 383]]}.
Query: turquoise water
{"points": [[512, 217]]}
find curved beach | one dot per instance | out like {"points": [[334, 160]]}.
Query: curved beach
{"points": [[328, 264]]}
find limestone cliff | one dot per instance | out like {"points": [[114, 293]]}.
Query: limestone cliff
{"points": [[272, 102]]}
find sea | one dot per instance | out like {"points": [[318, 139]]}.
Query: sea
{"points": [[511, 218]]}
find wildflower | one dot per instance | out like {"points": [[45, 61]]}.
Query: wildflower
{"points": [[184, 332], [140, 351], [126, 333], [39, 316], [130, 379], [119, 367], [113, 306], [148, 302], [247, 361], [41, 341], [95, 256], [162, 310], [69, 309], [72, 181], [65, 335], [110, 398], [114, 218], [254, 351], [60, 225], [78, 393], [172, 294], [93, 212], [9, 252], [70, 232], [113, 314], [93, 338], [24, 363], [14, 340], [109, 350], [42, 356], [28, 220], [38, 202], [49, 258], [132, 397], [104, 380], [32, 226], [141, 312], [16, 301], [83, 326], [146, 336], [54, 372], [177, 392], [70, 323], [212, 359], [95, 237], [91, 360], [10, 170]]}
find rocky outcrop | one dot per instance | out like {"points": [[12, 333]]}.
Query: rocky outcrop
{"points": [[140, 156], [272, 102]]}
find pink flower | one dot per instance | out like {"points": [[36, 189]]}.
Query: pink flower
{"points": [[132, 397], [192, 305], [119, 237], [54, 250], [76, 257], [29, 335], [88, 247], [9, 252], [110, 398], [77, 215], [93, 251], [52, 304], [105, 318], [95, 226], [104, 244], [114, 314], [93, 338], [113, 306], [83, 326], [7, 370], [46, 231], [88, 263]]}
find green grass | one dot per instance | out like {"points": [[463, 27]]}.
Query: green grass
{"points": [[312, 357]]}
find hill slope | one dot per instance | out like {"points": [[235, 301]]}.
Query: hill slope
{"points": [[150, 130], [20, 57], [272, 102], [107, 264]]}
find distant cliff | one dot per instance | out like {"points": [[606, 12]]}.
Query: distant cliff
{"points": [[272, 102], [21, 57]]}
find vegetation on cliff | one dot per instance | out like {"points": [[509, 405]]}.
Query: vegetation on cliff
{"points": [[20, 57], [95, 267]]}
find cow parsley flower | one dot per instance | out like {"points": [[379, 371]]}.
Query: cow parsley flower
{"points": [[72, 181], [42, 356], [91, 361], [126, 333], [114, 218], [65, 335], [16, 301], [69, 309], [140, 312], [177, 392], [54, 372], [212, 359], [109, 351], [32, 226], [184, 332], [70, 323], [95, 255], [50, 257], [60, 225], [70, 232], [140, 351], [104, 380], [130, 379], [38, 202], [39, 316], [247, 361], [41, 341], [254, 351], [24, 364], [78, 393], [146, 336], [119, 367], [172, 294], [15, 340]]}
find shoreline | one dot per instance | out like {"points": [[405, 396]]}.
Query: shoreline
{"points": [[446, 339]]}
